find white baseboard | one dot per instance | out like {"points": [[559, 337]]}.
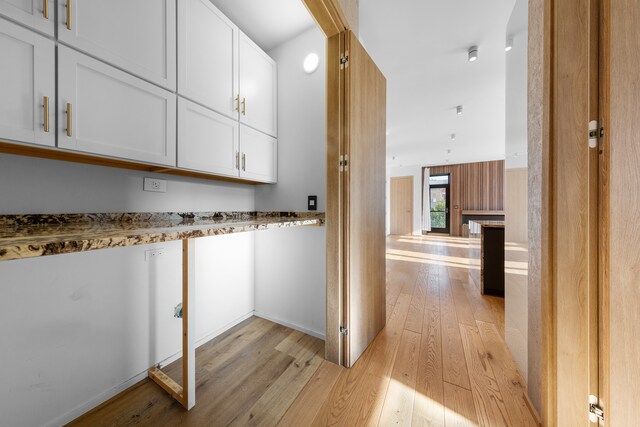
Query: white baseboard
{"points": [[103, 397], [290, 325]]}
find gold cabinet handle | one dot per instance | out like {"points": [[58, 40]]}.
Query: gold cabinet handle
{"points": [[237, 103], [237, 160], [68, 14], [45, 9], [69, 114], [244, 106], [244, 162], [46, 113]]}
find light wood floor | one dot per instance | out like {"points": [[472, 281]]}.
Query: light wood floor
{"points": [[441, 360]]}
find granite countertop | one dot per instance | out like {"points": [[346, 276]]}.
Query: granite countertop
{"points": [[489, 224], [28, 236]]}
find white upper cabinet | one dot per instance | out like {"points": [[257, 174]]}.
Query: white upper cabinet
{"points": [[27, 86], [207, 141], [207, 56], [258, 88], [138, 36], [105, 111], [259, 159], [36, 14]]}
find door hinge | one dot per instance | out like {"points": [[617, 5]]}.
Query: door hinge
{"points": [[344, 60], [344, 162], [344, 330], [596, 413], [595, 133]]}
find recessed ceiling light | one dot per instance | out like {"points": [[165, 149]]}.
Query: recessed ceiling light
{"points": [[449, 151], [459, 110], [509, 45], [473, 53], [453, 136], [311, 63]]}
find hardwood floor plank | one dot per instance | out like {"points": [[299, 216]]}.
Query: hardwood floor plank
{"points": [[488, 400], [416, 308], [428, 407], [512, 384], [303, 410], [453, 359], [398, 403], [432, 299], [463, 308], [460, 410]]}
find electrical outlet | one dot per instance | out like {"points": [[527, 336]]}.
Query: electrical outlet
{"points": [[312, 203], [153, 184], [153, 254]]}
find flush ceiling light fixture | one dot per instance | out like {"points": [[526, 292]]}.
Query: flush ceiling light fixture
{"points": [[459, 110], [473, 53], [311, 63], [509, 44]]}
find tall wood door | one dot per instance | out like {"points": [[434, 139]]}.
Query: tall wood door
{"points": [[365, 96], [401, 205]]}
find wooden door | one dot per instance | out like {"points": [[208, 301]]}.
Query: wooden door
{"points": [[258, 88], [137, 36], [365, 199], [259, 155], [105, 111], [27, 84], [207, 141], [208, 56], [401, 201], [36, 14]]}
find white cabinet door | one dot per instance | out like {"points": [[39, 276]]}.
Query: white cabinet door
{"points": [[36, 14], [207, 141], [27, 76], [207, 56], [259, 160], [258, 88], [138, 36], [105, 111]]}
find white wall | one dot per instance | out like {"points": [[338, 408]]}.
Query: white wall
{"points": [[416, 172], [78, 328], [290, 282], [516, 192]]}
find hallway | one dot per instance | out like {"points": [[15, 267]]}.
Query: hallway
{"points": [[441, 360]]}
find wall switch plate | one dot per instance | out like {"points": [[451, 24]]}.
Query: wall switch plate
{"points": [[157, 185], [312, 203], [153, 254]]}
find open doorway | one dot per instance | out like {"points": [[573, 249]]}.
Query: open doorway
{"points": [[439, 203]]}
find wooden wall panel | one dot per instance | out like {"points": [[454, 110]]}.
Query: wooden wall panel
{"points": [[474, 186]]}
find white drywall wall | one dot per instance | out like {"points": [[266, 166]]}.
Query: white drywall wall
{"points": [[290, 280]]}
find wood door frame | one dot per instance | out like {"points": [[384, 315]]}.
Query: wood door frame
{"points": [[333, 23], [410, 178]]}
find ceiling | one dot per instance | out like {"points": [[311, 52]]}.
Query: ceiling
{"points": [[268, 23], [421, 47]]}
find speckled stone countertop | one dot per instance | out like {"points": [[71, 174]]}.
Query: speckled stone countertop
{"points": [[28, 236]]}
